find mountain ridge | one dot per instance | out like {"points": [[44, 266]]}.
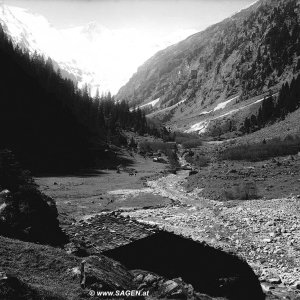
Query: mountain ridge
{"points": [[248, 54]]}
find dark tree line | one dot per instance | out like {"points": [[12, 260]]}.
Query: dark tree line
{"points": [[272, 110], [48, 122]]}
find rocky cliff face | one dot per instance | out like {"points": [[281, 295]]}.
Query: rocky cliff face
{"points": [[246, 55]]}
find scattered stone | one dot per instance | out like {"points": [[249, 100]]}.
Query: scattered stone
{"points": [[275, 280], [297, 285], [267, 240], [169, 287], [150, 278], [3, 275], [76, 249], [139, 278]]}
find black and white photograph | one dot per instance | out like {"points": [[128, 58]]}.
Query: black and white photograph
{"points": [[150, 149]]}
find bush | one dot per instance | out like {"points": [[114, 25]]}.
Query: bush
{"points": [[199, 161], [173, 159], [181, 137], [242, 191], [156, 146], [193, 143], [263, 151]]}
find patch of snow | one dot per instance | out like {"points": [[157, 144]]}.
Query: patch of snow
{"points": [[152, 103], [168, 108], [205, 112], [200, 127], [180, 102], [224, 104], [92, 48]]}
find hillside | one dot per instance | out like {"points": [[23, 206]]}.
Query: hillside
{"points": [[48, 122], [239, 59]]}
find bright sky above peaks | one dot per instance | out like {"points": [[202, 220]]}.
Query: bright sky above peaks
{"points": [[112, 38]]}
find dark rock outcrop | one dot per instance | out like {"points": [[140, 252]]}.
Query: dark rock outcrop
{"points": [[29, 215]]}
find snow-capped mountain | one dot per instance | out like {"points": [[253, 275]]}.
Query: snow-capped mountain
{"points": [[34, 33], [101, 57]]}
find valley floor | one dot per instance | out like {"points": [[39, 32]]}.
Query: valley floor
{"points": [[265, 232]]}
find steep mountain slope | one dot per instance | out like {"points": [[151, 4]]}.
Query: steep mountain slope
{"points": [[29, 30], [35, 123], [245, 56]]}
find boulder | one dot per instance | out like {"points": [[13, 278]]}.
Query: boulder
{"points": [[77, 249], [100, 272], [193, 172], [174, 288], [29, 215], [150, 278]]}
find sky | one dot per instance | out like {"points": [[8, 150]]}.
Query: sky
{"points": [[165, 15], [125, 33]]}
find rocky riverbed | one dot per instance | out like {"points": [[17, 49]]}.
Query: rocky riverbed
{"points": [[263, 232]]}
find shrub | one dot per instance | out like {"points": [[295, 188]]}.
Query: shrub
{"points": [[181, 138], [173, 159], [199, 161], [262, 151], [193, 143], [242, 191], [156, 146]]}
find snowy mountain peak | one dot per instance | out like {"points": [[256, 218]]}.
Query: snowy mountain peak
{"points": [[102, 57], [34, 33]]}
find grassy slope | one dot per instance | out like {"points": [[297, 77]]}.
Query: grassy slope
{"points": [[42, 267], [289, 126], [47, 269]]}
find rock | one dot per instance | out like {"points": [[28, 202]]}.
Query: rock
{"points": [[100, 272], [139, 278], [203, 297], [3, 275], [270, 223], [168, 288], [231, 171], [76, 249], [74, 272], [274, 280], [297, 285], [267, 240], [150, 278], [190, 289], [29, 215], [193, 172], [265, 287], [3, 195]]}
